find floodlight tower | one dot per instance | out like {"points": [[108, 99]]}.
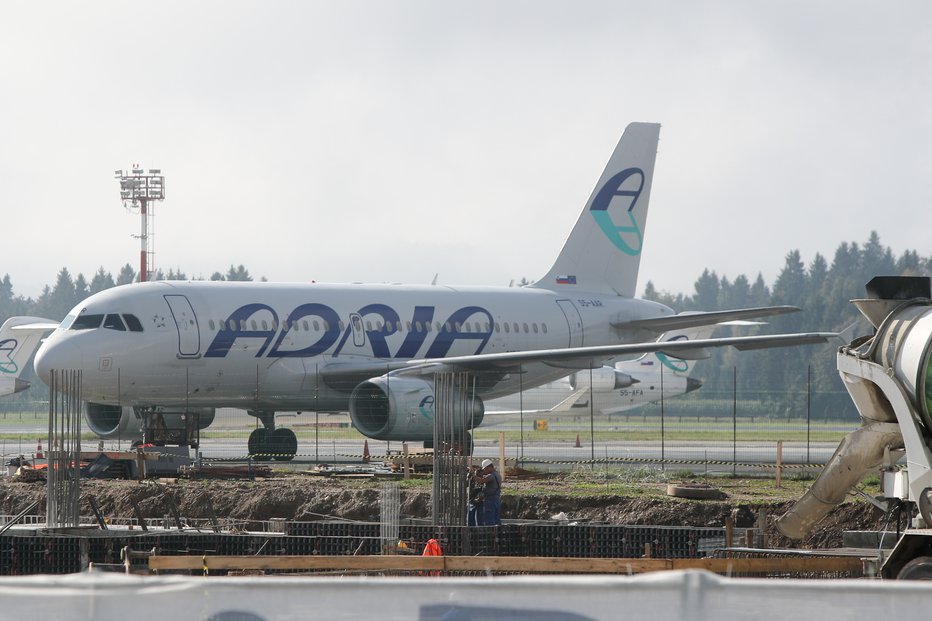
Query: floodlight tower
{"points": [[137, 190]]}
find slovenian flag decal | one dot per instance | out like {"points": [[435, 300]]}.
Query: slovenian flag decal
{"points": [[566, 280]]}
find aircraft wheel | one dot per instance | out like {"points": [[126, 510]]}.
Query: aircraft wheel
{"points": [[284, 444], [920, 568], [259, 445]]}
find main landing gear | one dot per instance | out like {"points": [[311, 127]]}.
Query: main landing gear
{"points": [[267, 443]]}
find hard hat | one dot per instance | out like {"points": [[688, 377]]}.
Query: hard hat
{"points": [[486, 463]]}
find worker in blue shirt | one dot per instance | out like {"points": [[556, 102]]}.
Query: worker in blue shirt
{"points": [[491, 482]]}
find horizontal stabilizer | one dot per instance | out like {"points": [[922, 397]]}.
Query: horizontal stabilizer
{"points": [[691, 320]]}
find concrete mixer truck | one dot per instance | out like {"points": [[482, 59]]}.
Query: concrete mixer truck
{"points": [[888, 375]]}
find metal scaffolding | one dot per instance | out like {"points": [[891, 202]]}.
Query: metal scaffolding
{"points": [[64, 455], [455, 403]]}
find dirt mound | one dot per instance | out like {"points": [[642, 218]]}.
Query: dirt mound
{"points": [[308, 498]]}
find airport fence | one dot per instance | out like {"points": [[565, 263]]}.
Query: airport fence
{"points": [[703, 431]]}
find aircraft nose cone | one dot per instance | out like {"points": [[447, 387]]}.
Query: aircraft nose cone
{"points": [[58, 355], [693, 384]]}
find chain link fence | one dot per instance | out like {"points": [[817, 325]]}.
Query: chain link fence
{"points": [[705, 431]]}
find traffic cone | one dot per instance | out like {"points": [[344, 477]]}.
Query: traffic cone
{"points": [[365, 451], [578, 445], [39, 454]]}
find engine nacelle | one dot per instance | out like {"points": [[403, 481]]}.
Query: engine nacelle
{"points": [[113, 421], [125, 423], [401, 408], [604, 379]]}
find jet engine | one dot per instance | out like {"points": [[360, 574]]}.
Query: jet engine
{"points": [[124, 422], [604, 379], [401, 408]]}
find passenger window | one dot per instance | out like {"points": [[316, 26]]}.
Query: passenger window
{"points": [[516, 327], [210, 323], [113, 322], [133, 323], [458, 326], [526, 329], [543, 328], [446, 326], [507, 329], [408, 325], [87, 322], [534, 327], [253, 322], [316, 326], [498, 327]]}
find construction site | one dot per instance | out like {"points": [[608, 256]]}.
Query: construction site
{"points": [[863, 519]]}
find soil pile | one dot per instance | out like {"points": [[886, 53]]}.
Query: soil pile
{"points": [[307, 498]]}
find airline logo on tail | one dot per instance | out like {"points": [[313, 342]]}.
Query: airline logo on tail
{"points": [[7, 364], [674, 364], [627, 184]]}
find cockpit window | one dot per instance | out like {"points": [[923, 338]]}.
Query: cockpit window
{"points": [[87, 322], [66, 322], [133, 323], [113, 322]]}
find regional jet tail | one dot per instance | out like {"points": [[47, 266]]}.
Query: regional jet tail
{"points": [[627, 384], [19, 339], [172, 352]]}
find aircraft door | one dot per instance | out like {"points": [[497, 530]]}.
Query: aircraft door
{"points": [[189, 336], [359, 333], [574, 322]]}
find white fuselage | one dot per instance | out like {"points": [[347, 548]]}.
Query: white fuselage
{"points": [[262, 346]]}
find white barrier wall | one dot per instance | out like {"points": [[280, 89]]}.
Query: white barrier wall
{"points": [[693, 595]]}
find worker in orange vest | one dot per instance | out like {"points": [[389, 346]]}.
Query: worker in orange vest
{"points": [[432, 549]]}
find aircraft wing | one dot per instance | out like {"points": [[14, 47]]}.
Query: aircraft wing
{"points": [[564, 406], [594, 356], [694, 319], [345, 375]]}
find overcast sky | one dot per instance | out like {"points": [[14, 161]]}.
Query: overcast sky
{"points": [[391, 141]]}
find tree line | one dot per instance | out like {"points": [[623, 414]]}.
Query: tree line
{"points": [[55, 302], [790, 382]]}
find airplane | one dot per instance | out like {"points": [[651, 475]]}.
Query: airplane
{"points": [[627, 384], [19, 339], [163, 355]]}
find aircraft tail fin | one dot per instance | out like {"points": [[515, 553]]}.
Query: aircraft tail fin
{"points": [[686, 365], [19, 339], [656, 360], [603, 251]]}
